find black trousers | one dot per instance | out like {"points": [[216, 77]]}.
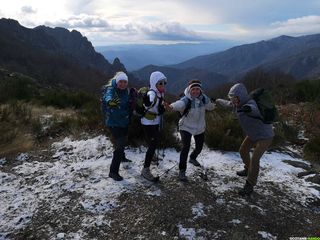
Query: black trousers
{"points": [[152, 135], [119, 139], [186, 140]]}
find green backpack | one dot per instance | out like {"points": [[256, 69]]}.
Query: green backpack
{"points": [[140, 110], [266, 105]]}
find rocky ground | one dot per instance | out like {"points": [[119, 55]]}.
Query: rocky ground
{"points": [[64, 193]]}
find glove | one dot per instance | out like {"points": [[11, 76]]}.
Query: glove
{"points": [[114, 103], [246, 109]]}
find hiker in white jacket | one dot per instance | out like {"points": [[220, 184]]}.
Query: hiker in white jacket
{"points": [[192, 108], [152, 120]]}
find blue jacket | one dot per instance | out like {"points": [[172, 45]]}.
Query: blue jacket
{"points": [[120, 116]]}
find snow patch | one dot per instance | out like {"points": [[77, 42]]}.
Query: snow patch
{"points": [[198, 210], [267, 235], [187, 233], [235, 221], [2, 161], [22, 157]]}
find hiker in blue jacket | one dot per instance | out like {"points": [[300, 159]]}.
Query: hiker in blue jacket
{"points": [[119, 111], [192, 123], [258, 134]]}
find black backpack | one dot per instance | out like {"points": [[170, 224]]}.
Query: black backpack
{"points": [[266, 105], [141, 99], [188, 106]]}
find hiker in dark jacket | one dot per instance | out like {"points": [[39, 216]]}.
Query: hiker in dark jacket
{"points": [[192, 107], [258, 134], [153, 119], [118, 99]]}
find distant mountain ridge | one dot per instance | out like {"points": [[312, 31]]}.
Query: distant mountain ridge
{"points": [[178, 78], [264, 54], [54, 56], [298, 56], [161, 54]]}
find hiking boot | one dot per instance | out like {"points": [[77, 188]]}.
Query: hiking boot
{"points": [[194, 162], [246, 190], [243, 173], [182, 176], [115, 176], [147, 174], [126, 160]]}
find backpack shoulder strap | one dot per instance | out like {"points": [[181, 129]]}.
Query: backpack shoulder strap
{"points": [[188, 106], [155, 99]]}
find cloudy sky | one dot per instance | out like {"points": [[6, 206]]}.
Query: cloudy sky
{"points": [[106, 22]]}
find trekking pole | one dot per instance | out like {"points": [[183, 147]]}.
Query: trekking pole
{"points": [[161, 138], [168, 170]]}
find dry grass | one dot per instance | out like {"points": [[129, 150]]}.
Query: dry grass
{"points": [[20, 144], [21, 123]]}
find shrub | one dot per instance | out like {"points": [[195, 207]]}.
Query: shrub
{"points": [[8, 133], [311, 150], [284, 133], [64, 99], [307, 91], [15, 112], [17, 88], [223, 131]]}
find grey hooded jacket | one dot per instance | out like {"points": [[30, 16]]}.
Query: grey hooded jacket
{"points": [[254, 128]]}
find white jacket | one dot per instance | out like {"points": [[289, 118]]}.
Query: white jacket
{"points": [[194, 122], [155, 77]]}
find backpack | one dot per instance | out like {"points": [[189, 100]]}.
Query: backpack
{"points": [[188, 106], [104, 105], [266, 105], [142, 98]]}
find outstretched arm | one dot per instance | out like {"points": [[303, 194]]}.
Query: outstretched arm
{"points": [[179, 105], [224, 103], [209, 105]]}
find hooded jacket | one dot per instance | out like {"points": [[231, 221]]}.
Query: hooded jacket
{"points": [[154, 95], [120, 116], [194, 122], [254, 128]]}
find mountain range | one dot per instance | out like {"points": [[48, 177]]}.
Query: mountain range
{"points": [[54, 56], [161, 54], [298, 56], [59, 57]]}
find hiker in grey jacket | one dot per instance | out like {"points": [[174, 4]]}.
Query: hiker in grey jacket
{"points": [[258, 134], [192, 123]]}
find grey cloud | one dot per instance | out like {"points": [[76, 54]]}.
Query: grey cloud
{"points": [[169, 31], [81, 21], [28, 10], [296, 26]]}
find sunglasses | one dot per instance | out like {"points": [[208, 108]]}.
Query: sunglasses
{"points": [[162, 83]]}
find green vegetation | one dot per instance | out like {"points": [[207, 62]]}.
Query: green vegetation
{"points": [[223, 131], [312, 150], [72, 112]]}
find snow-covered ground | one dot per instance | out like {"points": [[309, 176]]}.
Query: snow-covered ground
{"points": [[82, 167]]}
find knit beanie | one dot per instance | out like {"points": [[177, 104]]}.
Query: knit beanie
{"points": [[195, 83], [121, 76]]}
